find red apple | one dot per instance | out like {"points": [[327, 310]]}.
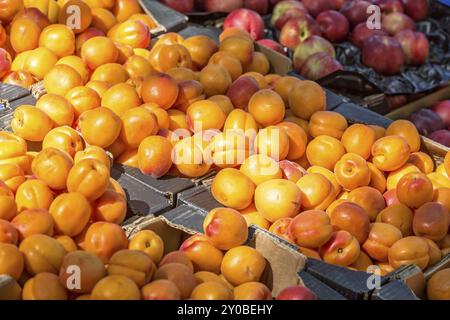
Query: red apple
{"points": [[5, 62], [441, 136], [241, 90], [222, 6], [383, 54], [183, 6], [415, 46], [247, 20], [355, 11], [334, 25], [296, 293], [271, 44], [315, 7], [286, 10], [416, 9], [260, 6], [395, 22], [310, 46], [361, 33], [388, 6], [337, 4], [297, 30], [319, 65], [442, 109]]}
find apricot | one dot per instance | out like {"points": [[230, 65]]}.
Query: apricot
{"points": [[422, 161], [434, 252], [363, 263], [352, 171], [121, 98], [201, 48], [281, 228], [133, 33], [31, 123], [252, 291], [370, 199], [148, 242], [352, 218], [112, 73], [261, 168], [253, 217], [189, 91], [12, 175], [33, 194], [382, 236], [228, 149], [359, 138], [342, 249], [19, 78], [177, 257], [71, 213], [160, 290], [137, 66], [90, 177], [11, 290], [215, 79], [324, 151], [44, 286], [84, 36], [272, 141], [8, 232], [438, 180], [242, 264], [431, 221], [179, 274], [447, 163], [98, 51], [201, 251], [260, 79], [414, 190], [327, 123], [61, 79], [409, 250], [317, 192], [103, 19], [33, 221], [154, 156], [115, 287], [100, 126], [394, 177], [52, 166], [284, 85], [24, 35], [91, 271], [398, 215], [441, 195], [267, 107], [203, 115], [311, 229], [407, 130], [390, 153], [259, 64], [58, 38], [241, 47], [189, 161], [42, 253], [445, 242], [225, 228], [327, 174], [39, 62], [67, 242], [85, 15], [161, 115], [11, 260], [83, 99], [234, 31], [292, 171], [133, 264], [229, 62], [438, 285], [110, 207], [161, 89], [168, 56], [233, 189], [306, 98], [242, 121], [137, 124], [58, 108], [64, 139], [104, 239], [182, 74], [100, 87], [211, 291]]}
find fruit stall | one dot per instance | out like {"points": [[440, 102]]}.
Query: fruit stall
{"points": [[224, 150]]}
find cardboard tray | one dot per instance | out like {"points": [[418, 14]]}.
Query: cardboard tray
{"points": [[175, 226], [357, 114], [167, 19]]}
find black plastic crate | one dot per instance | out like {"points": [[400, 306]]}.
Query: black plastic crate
{"points": [[395, 290], [199, 198], [322, 291], [357, 114], [169, 19], [11, 92]]}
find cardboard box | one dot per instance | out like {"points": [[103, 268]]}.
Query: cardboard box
{"points": [[283, 262], [167, 19]]}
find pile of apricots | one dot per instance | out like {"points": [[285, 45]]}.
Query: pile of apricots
{"points": [[47, 262], [351, 195]]}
